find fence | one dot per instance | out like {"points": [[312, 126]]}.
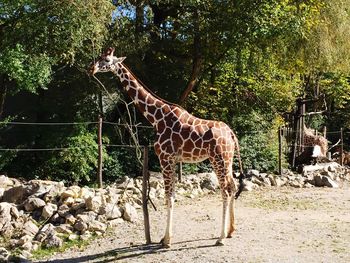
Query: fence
{"points": [[287, 142], [291, 143]]}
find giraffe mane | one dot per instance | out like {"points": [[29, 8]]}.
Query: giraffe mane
{"points": [[149, 90]]}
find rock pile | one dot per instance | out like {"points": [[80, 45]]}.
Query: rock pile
{"points": [[319, 175], [40, 213]]}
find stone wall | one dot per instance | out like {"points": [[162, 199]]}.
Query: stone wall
{"points": [[40, 213]]}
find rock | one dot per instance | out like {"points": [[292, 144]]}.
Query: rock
{"points": [[4, 254], [64, 229], [296, 184], [209, 181], [63, 210], [69, 201], [253, 172], [97, 226], [257, 181], [86, 236], [329, 182], [248, 185], [69, 193], [112, 211], [30, 228], [15, 194], [80, 226], [273, 179], [155, 184], [53, 241], [129, 213], [318, 180], [15, 213], [73, 237], [86, 192], [94, 203], [48, 210], [115, 222], [5, 214], [24, 239], [70, 219], [5, 181], [33, 203]]}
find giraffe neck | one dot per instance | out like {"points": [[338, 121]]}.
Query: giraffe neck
{"points": [[150, 106]]}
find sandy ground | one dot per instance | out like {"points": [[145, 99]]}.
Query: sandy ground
{"points": [[273, 225]]}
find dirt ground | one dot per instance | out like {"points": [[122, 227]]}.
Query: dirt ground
{"points": [[273, 225]]}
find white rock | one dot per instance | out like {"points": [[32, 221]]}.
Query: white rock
{"points": [[64, 229], [248, 185], [209, 181], [112, 211], [5, 214], [48, 210], [129, 213], [63, 210], [73, 237], [97, 226], [33, 203], [94, 203], [4, 254], [5, 181], [30, 228]]}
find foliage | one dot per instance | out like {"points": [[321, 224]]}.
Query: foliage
{"points": [[244, 62], [77, 163]]}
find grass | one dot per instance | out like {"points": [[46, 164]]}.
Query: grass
{"points": [[46, 252]]}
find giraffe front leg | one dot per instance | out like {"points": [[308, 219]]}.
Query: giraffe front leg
{"points": [[169, 186], [166, 240]]}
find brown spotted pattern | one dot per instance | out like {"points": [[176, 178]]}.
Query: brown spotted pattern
{"points": [[181, 137]]}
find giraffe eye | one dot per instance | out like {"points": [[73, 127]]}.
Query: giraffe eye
{"points": [[108, 60]]}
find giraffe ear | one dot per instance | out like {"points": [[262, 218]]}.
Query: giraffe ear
{"points": [[109, 52], [120, 60]]}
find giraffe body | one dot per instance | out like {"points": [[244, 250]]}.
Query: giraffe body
{"points": [[181, 137]]}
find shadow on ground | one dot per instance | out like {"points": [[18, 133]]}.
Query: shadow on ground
{"points": [[131, 252]]}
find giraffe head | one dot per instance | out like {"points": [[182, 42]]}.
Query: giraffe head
{"points": [[106, 62]]}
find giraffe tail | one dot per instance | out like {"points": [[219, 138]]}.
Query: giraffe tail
{"points": [[241, 174]]}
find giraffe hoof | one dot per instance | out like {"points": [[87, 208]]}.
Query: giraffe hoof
{"points": [[164, 244], [219, 242]]}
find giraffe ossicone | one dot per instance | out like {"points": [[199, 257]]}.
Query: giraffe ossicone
{"points": [[181, 137]]}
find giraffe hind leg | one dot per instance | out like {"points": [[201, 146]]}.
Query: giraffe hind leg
{"points": [[222, 169]]}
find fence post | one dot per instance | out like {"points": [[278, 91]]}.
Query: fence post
{"points": [[280, 151], [341, 146], [100, 158], [145, 180]]}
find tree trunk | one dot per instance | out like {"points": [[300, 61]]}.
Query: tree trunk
{"points": [[197, 61], [3, 92], [139, 18]]}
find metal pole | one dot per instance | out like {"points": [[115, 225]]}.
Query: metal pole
{"points": [[280, 151], [341, 146], [145, 179], [100, 158]]}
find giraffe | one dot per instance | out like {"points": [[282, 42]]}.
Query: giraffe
{"points": [[181, 137], [318, 144]]}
